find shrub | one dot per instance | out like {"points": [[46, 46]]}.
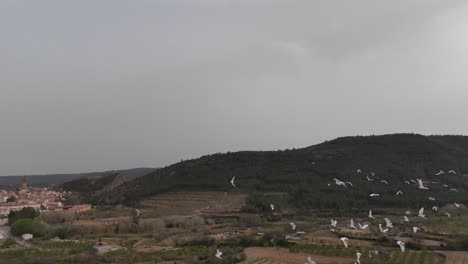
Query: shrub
{"points": [[8, 242], [25, 213], [23, 226]]}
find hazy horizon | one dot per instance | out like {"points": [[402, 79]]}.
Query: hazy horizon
{"points": [[93, 86]]}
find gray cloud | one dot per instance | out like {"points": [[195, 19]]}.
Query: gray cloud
{"points": [[93, 85]]}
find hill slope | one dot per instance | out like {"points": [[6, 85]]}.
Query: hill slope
{"points": [[304, 174]]}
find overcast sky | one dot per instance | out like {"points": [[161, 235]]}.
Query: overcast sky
{"points": [[94, 85]]}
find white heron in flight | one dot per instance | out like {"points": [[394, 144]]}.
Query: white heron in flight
{"points": [[421, 213], [406, 218], [416, 229], [272, 207], [445, 185], [333, 223], [358, 171], [310, 261], [435, 208], [421, 185], [440, 173], [383, 230], [218, 254], [351, 224], [369, 179], [388, 223], [372, 173], [358, 257], [384, 181], [402, 245], [338, 182], [374, 195], [363, 227], [432, 199], [457, 205], [345, 241], [399, 193], [407, 182], [370, 215], [448, 214], [350, 184], [452, 172], [232, 182], [454, 190], [413, 181]]}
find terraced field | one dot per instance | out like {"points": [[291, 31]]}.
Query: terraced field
{"points": [[262, 261], [412, 257], [455, 257]]}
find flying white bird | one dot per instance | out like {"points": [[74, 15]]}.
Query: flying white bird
{"points": [[374, 195], [457, 205], [383, 230], [399, 193], [388, 223], [413, 181], [232, 182], [329, 184], [445, 185], [432, 199], [448, 214], [345, 241], [372, 173], [370, 214], [384, 181], [406, 218], [351, 224], [358, 171], [402, 245], [350, 184], [407, 182], [310, 261], [272, 207], [440, 173], [358, 257], [434, 182], [218, 254], [338, 182], [421, 185], [454, 190], [334, 223], [416, 229], [369, 179], [363, 227], [452, 172], [421, 213], [408, 212], [293, 225], [435, 208]]}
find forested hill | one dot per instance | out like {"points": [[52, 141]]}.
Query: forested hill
{"points": [[304, 174]]}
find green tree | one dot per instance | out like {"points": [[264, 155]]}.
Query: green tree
{"points": [[25, 213], [23, 226]]}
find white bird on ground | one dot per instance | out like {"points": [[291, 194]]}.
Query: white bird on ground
{"points": [[350, 184], [218, 254], [408, 212], [363, 227], [440, 173], [384, 181], [421, 213], [454, 190], [293, 226], [416, 229], [402, 245], [232, 182], [338, 182], [310, 261], [448, 214], [388, 223], [351, 224], [421, 185], [358, 171], [369, 179], [457, 205], [272, 207], [370, 214], [383, 230], [374, 195], [334, 223], [358, 257], [432, 199], [399, 193], [406, 218], [407, 182], [452, 172], [345, 241], [435, 208]]}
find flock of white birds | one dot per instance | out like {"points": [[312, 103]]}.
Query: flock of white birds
{"points": [[388, 223]]}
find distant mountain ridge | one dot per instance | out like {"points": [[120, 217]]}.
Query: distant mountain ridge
{"points": [[56, 179], [305, 174]]}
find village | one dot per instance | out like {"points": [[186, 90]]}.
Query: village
{"points": [[41, 199]]}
